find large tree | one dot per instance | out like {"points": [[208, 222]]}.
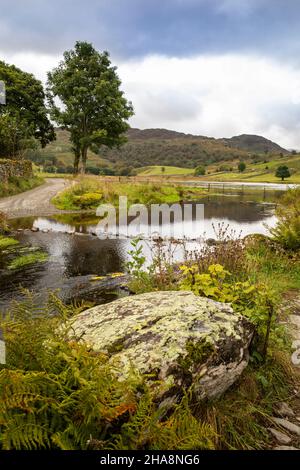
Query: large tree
{"points": [[85, 98], [23, 119]]}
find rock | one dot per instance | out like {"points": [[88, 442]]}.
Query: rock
{"points": [[280, 436], [285, 448], [283, 409], [35, 229], [2, 348], [291, 427], [179, 338]]}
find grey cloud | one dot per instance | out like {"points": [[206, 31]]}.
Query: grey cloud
{"points": [[135, 28]]}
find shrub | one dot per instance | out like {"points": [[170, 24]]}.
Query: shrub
{"points": [[88, 200], [241, 167], [199, 171], [256, 301], [287, 230]]}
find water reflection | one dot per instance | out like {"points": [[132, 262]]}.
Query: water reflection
{"points": [[75, 253]]}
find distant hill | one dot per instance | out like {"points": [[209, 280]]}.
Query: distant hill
{"points": [[255, 143], [150, 147]]}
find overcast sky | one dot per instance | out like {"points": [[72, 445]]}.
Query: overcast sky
{"points": [[208, 67]]}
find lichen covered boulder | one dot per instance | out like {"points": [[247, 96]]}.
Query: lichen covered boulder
{"points": [[177, 338]]}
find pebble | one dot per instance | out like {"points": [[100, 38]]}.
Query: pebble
{"points": [[280, 436], [285, 448], [293, 428], [283, 409]]}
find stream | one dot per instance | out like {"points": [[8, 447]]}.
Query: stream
{"points": [[76, 254]]}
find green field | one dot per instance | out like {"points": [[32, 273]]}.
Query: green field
{"points": [[259, 172], [164, 171], [255, 172]]}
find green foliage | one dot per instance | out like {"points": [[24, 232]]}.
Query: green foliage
{"points": [[182, 431], [287, 230], [88, 200], [89, 191], [257, 302], [27, 260], [16, 185], [58, 394], [141, 276], [282, 172], [6, 242], [158, 275], [24, 117], [86, 82], [242, 167], [199, 170]]}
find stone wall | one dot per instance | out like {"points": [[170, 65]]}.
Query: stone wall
{"points": [[20, 168]]}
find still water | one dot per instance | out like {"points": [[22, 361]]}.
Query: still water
{"points": [[76, 253]]}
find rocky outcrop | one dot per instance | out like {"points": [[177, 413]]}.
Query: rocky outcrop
{"points": [[177, 338]]}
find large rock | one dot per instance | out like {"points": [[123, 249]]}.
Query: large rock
{"points": [[178, 338]]}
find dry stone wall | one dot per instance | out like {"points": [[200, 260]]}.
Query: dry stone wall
{"points": [[19, 168]]}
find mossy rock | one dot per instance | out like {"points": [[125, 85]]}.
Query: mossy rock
{"points": [[177, 338]]}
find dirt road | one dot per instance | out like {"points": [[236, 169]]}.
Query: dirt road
{"points": [[35, 201]]}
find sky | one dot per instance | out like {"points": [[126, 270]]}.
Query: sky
{"points": [[207, 67]]}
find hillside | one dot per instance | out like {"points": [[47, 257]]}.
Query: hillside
{"points": [[255, 144], [152, 147]]}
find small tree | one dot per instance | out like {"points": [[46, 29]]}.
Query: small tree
{"points": [[199, 170], [163, 169], [283, 172], [242, 167]]}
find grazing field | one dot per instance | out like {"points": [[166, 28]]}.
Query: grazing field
{"points": [[164, 171], [263, 172]]}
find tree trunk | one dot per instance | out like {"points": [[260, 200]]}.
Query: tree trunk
{"points": [[76, 161], [83, 159]]}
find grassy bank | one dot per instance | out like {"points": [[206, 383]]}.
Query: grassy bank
{"points": [[16, 185], [89, 192]]}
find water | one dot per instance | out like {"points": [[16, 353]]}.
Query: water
{"points": [[76, 254]]}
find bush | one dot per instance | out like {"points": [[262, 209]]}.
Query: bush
{"points": [[241, 167], [256, 301], [88, 200], [199, 171], [287, 230]]}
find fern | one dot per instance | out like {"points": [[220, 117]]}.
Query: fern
{"points": [[57, 394]]}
